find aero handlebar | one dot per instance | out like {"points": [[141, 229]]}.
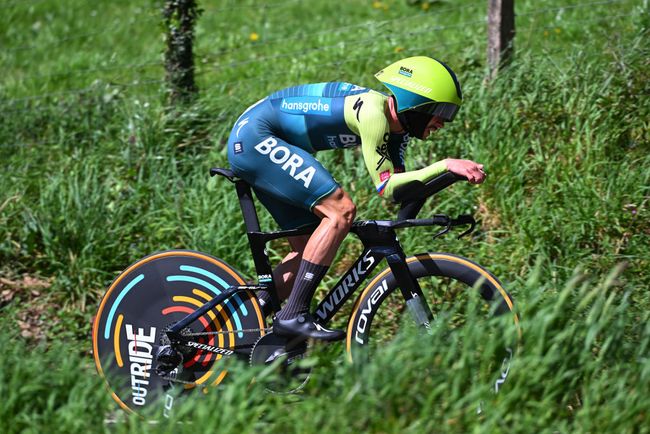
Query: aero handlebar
{"points": [[413, 194]]}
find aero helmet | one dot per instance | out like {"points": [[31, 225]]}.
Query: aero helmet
{"points": [[423, 87]]}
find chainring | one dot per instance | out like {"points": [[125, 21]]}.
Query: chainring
{"points": [[290, 377]]}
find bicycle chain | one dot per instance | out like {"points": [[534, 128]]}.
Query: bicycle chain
{"points": [[192, 383], [265, 330]]}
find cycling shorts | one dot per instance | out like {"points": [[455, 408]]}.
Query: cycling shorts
{"points": [[288, 180]]}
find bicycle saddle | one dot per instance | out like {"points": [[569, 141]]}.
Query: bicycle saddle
{"points": [[227, 173]]}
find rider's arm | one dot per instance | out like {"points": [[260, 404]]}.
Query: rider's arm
{"points": [[390, 185], [374, 130]]}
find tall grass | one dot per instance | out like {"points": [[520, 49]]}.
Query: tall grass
{"points": [[93, 180], [581, 367]]}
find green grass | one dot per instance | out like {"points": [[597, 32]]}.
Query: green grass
{"points": [[98, 172], [582, 367]]}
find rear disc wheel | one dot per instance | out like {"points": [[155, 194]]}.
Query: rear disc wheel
{"points": [[157, 291]]}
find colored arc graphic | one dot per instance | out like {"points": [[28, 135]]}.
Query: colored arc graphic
{"points": [[209, 373], [215, 290], [116, 341], [118, 300], [220, 281]]}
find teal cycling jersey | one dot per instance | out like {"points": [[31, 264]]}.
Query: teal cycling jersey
{"points": [[324, 116], [272, 143]]}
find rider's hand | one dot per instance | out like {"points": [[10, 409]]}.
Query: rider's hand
{"points": [[469, 169]]}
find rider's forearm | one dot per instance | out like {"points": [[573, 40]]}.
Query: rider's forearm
{"points": [[388, 187]]}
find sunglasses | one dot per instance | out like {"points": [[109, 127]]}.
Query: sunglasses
{"points": [[444, 110]]}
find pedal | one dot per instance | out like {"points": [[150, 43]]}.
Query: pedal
{"points": [[290, 355], [291, 377]]}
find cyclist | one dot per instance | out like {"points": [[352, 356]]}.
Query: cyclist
{"points": [[271, 146]]}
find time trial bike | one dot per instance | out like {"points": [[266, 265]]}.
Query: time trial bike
{"points": [[169, 321]]}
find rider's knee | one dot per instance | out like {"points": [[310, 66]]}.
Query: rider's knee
{"points": [[339, 222], [349, 213], [338, 209], [345, 215]]}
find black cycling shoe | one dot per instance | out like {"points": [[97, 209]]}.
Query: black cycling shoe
{"points": [[305, 326]]}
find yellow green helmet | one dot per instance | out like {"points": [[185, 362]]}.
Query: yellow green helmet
{"points": [[424, 85]]}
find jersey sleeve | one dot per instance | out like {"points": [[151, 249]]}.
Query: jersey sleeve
{"points": [[383, 157], [364, 114]]}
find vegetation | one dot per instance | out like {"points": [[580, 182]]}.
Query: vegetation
{"points": [[99, 171]]}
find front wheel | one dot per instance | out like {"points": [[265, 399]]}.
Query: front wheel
{"points": [[456, 290]]}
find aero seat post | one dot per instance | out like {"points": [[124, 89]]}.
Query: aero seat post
{"points": [[247, 206], [257, 241]]}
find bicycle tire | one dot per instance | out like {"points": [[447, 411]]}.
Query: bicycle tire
{"points": [[453, 270], [148, 296]]}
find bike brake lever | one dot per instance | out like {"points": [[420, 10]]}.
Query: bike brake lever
{"points": [[467, 219], [445, 230]]}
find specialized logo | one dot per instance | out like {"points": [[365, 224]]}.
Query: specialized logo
{"points": [[363, 321], [140, 357], [307, 105], [405, 71], [357, 106], [210, 348], [383, 151], [409, 84], [290, 162], [348, 283]]}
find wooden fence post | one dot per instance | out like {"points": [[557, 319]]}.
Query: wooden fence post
{"points": [[179, 19], [501, 33]]}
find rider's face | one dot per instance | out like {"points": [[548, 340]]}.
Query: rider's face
{"points": [[434, 124]]}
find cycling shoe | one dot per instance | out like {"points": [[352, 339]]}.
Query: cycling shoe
{"points": [[305, 326]]}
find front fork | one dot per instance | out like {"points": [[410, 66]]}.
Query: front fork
{"points": [[411, 291]]}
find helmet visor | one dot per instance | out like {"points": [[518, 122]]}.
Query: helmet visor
{"points": [[444, 110]]}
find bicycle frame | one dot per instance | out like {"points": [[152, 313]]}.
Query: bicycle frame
{"points": [[379, 240]]}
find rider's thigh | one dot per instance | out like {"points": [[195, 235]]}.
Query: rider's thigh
{"points": [[287, 179], [286, 215]]}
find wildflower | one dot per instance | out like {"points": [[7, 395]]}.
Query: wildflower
{"points": [[558, 30], [379, 5], [425, 6], [631, 208], [254, 37], [399, 49]]}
